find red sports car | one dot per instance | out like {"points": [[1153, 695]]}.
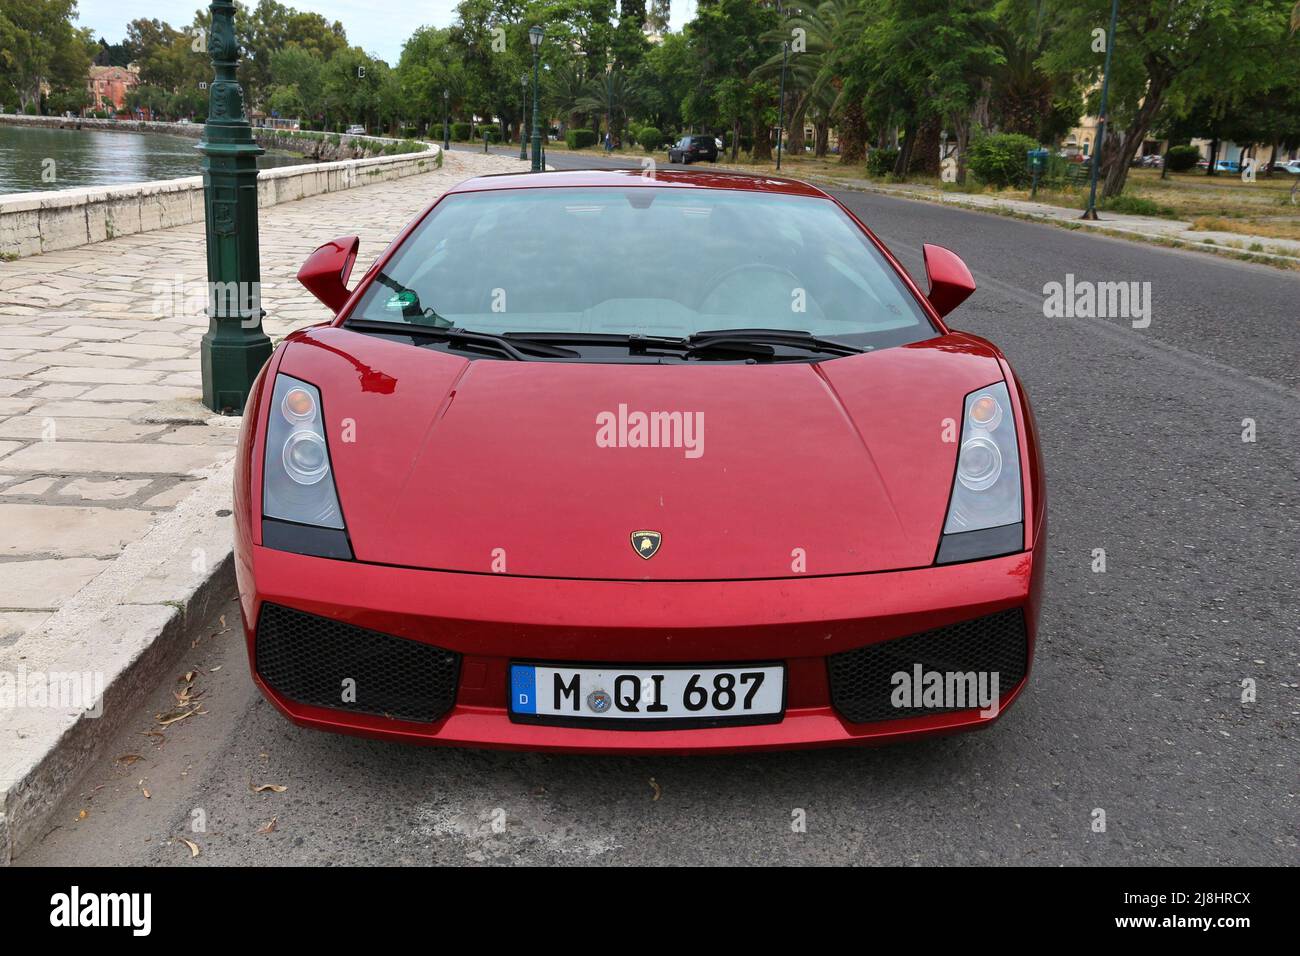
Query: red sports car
{"points": [[606, 461]]}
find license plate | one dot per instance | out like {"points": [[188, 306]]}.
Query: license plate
{"points": [[639, 696]]}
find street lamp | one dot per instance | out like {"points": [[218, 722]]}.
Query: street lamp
{"points": [[1100, 139], [609, 107], [535, 41], [446, 116], [235, 348], [780, 120], [523, 115]]}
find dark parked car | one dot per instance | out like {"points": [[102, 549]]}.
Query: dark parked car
{"points": [[690, 148]]}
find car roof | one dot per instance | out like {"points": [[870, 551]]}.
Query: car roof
{"points": [[675, 178]]}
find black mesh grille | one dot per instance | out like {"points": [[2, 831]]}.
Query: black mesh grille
{"points": [[307, 659], [861, 684]]}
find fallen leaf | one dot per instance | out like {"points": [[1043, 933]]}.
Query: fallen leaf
{"points": [[83, 814], [270, 827], [213, 670], [129, 759], [656, 788], [187, 677], [146, 793], [263, 787], [175, 715], [194, 847]]}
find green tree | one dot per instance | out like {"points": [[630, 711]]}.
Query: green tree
{"points": [[39, 45], [1169, 56]]}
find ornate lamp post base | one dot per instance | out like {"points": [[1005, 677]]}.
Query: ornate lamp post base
{"points": [[235, 348]]}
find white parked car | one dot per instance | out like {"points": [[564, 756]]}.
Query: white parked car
{"points": [[356, 130]]}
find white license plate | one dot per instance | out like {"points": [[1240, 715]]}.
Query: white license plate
{"points": [[647, 693]]}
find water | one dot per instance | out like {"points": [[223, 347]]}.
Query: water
{"points": [[97, 158]]}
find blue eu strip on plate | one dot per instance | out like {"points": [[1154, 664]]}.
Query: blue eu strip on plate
{"points": [[523, 693]]}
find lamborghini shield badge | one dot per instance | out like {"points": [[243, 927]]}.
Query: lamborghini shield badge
{"points": [[646, 543]]}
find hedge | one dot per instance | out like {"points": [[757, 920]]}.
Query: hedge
{"points": [[460, 131], [580, 138], [880, 162], [1001, 159], [650, 138], [1182, 158]]}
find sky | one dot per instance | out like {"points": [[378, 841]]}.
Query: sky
{"points": [[380, 27]]}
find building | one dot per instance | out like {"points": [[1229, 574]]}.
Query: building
{"points": [[108, 86]]}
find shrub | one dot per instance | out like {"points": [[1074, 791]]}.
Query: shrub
{"points": [[1001, 159], [650, 138], [880, 162], [1182, 158], [580, 138], [1137, 206], [460, 132]]}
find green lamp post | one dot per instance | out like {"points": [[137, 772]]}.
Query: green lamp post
{"points": [[523, 115], [1091, 211], [535, 41], [234, 348]]}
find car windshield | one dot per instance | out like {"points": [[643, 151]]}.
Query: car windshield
{"points": [[644, 260]]}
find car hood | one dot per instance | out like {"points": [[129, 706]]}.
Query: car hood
{"points": [[536, 468]]}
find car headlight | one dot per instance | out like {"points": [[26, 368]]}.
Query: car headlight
{"points": [[300, 505], [985, 517]]}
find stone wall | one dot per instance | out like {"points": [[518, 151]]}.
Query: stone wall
{"points": [[36, 222]]}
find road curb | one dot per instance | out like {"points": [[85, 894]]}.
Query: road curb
{"points": [[1112, 228], [128, 628]]}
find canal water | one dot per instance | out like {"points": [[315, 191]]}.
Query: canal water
{"points": [[97, 158]]}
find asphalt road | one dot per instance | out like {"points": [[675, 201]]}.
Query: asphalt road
{"points": [[1135, 706]]}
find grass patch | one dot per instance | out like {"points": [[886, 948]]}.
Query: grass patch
{"points": [[1138, 206], [1286, 228]]}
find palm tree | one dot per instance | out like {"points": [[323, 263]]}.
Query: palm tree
{"points": [[612, 94], [815, 72], [564, 90]]}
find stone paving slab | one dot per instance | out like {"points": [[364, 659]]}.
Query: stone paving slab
{"points": [[110, 467]]}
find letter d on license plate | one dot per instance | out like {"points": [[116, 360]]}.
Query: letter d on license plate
{"points": [[542, 693]]}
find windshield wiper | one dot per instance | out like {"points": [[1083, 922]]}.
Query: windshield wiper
{"points": [[514, 348], [790, 338]]}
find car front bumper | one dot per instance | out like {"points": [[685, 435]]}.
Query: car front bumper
{"points": [[489, 620]]}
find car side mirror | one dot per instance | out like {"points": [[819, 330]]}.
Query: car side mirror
{"points": [[326, 271], [950, 281]]}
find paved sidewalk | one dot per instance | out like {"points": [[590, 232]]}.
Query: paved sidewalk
{"points": [[103, 441], [1148, 227]]}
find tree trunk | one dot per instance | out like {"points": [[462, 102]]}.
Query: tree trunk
{"points": [[925, 155], [1214, 157], [822, 135], [735, 138], [794, 138], [762, 143], [853, 134], [904, 158], [1133, 137], [1272, 161]]}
